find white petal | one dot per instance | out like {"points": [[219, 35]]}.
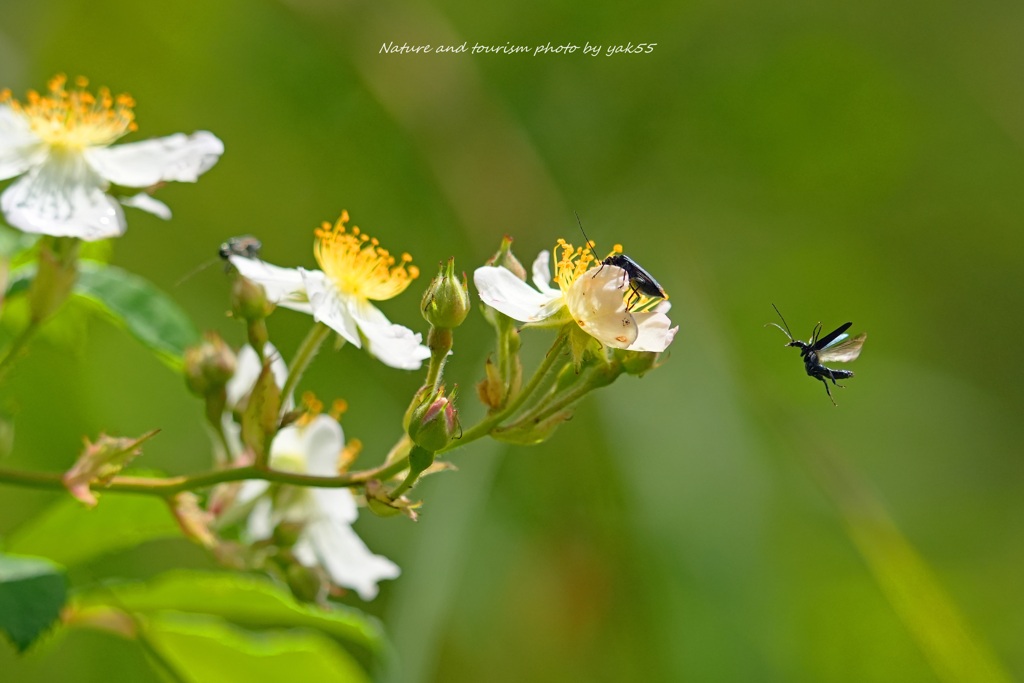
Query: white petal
{"points": [[141, 164], [20, 148], [655, 330], [596, 303], [338, 505], [251, 489], [391, 344], [146, 202], [347, 559], [318, 444], [260, 525], [65, 198], [328, 307], [500, 289], [542, 273], [284, 286]]}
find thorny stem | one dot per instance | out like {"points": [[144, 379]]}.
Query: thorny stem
{"points": [[485, 426], [599, 377]]}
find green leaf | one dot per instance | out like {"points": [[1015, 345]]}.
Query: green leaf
{"points": [[72, 534], [242, 599], [136, 304], [32, 592], [201, 648]]}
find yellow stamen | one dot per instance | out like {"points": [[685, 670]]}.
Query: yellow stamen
{"points": [[75, 119], [358, 265], [573, 262], [349, 454], [338, 408], [313, 407]]}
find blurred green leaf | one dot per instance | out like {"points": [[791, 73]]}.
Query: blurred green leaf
{"points": [[242, 599], [32, 592], [72, 534], [142, 309], [203, 648]]}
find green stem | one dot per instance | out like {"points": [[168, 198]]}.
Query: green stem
{"points": [[307, 350], [484, 427], [170, 486], [16, 346], [599, 377], [439, 341]]}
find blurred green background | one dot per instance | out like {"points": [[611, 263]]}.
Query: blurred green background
{"points": [[716, 520]]}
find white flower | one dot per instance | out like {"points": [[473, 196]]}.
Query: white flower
{"points": [[325, 515], [355, 271], [595, 297], [60, 145]]}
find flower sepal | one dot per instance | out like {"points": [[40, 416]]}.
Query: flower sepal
{"points": [[100, 462], [382, 504]]}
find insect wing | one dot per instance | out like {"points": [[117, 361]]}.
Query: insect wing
{"points": [[831, 337], [843, 351]]}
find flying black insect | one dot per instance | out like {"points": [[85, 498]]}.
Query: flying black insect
{"points": [[640, 281], [834, 347]]}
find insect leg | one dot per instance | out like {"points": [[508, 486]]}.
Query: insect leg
{"points": [[827, 390]]}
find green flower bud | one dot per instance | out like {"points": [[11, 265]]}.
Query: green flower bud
{"points": [[209, 366], [504, 257], [638, 362], [446, 301], [249, 300]]}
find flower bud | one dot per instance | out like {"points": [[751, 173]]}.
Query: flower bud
{"points": [[504, 258], [209, 366], [638, 362], [435, 422], [446, 301], [249, 300]]}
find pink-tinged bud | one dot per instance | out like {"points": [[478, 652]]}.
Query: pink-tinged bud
{"points": [[209, 365], [506, 259], [446, 301], [435, 422], [100, 462]]}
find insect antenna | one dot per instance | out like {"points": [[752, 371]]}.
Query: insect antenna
{"points": [[784, 330], [590, 245]]}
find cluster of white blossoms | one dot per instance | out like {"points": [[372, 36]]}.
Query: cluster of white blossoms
{"points": [[325, 515], [59, 150]]}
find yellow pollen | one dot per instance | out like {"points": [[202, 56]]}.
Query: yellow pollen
{"points": [[573, 262], [349, 454], [313, 407], [75, 119], [358, 266], [338, 408]]}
